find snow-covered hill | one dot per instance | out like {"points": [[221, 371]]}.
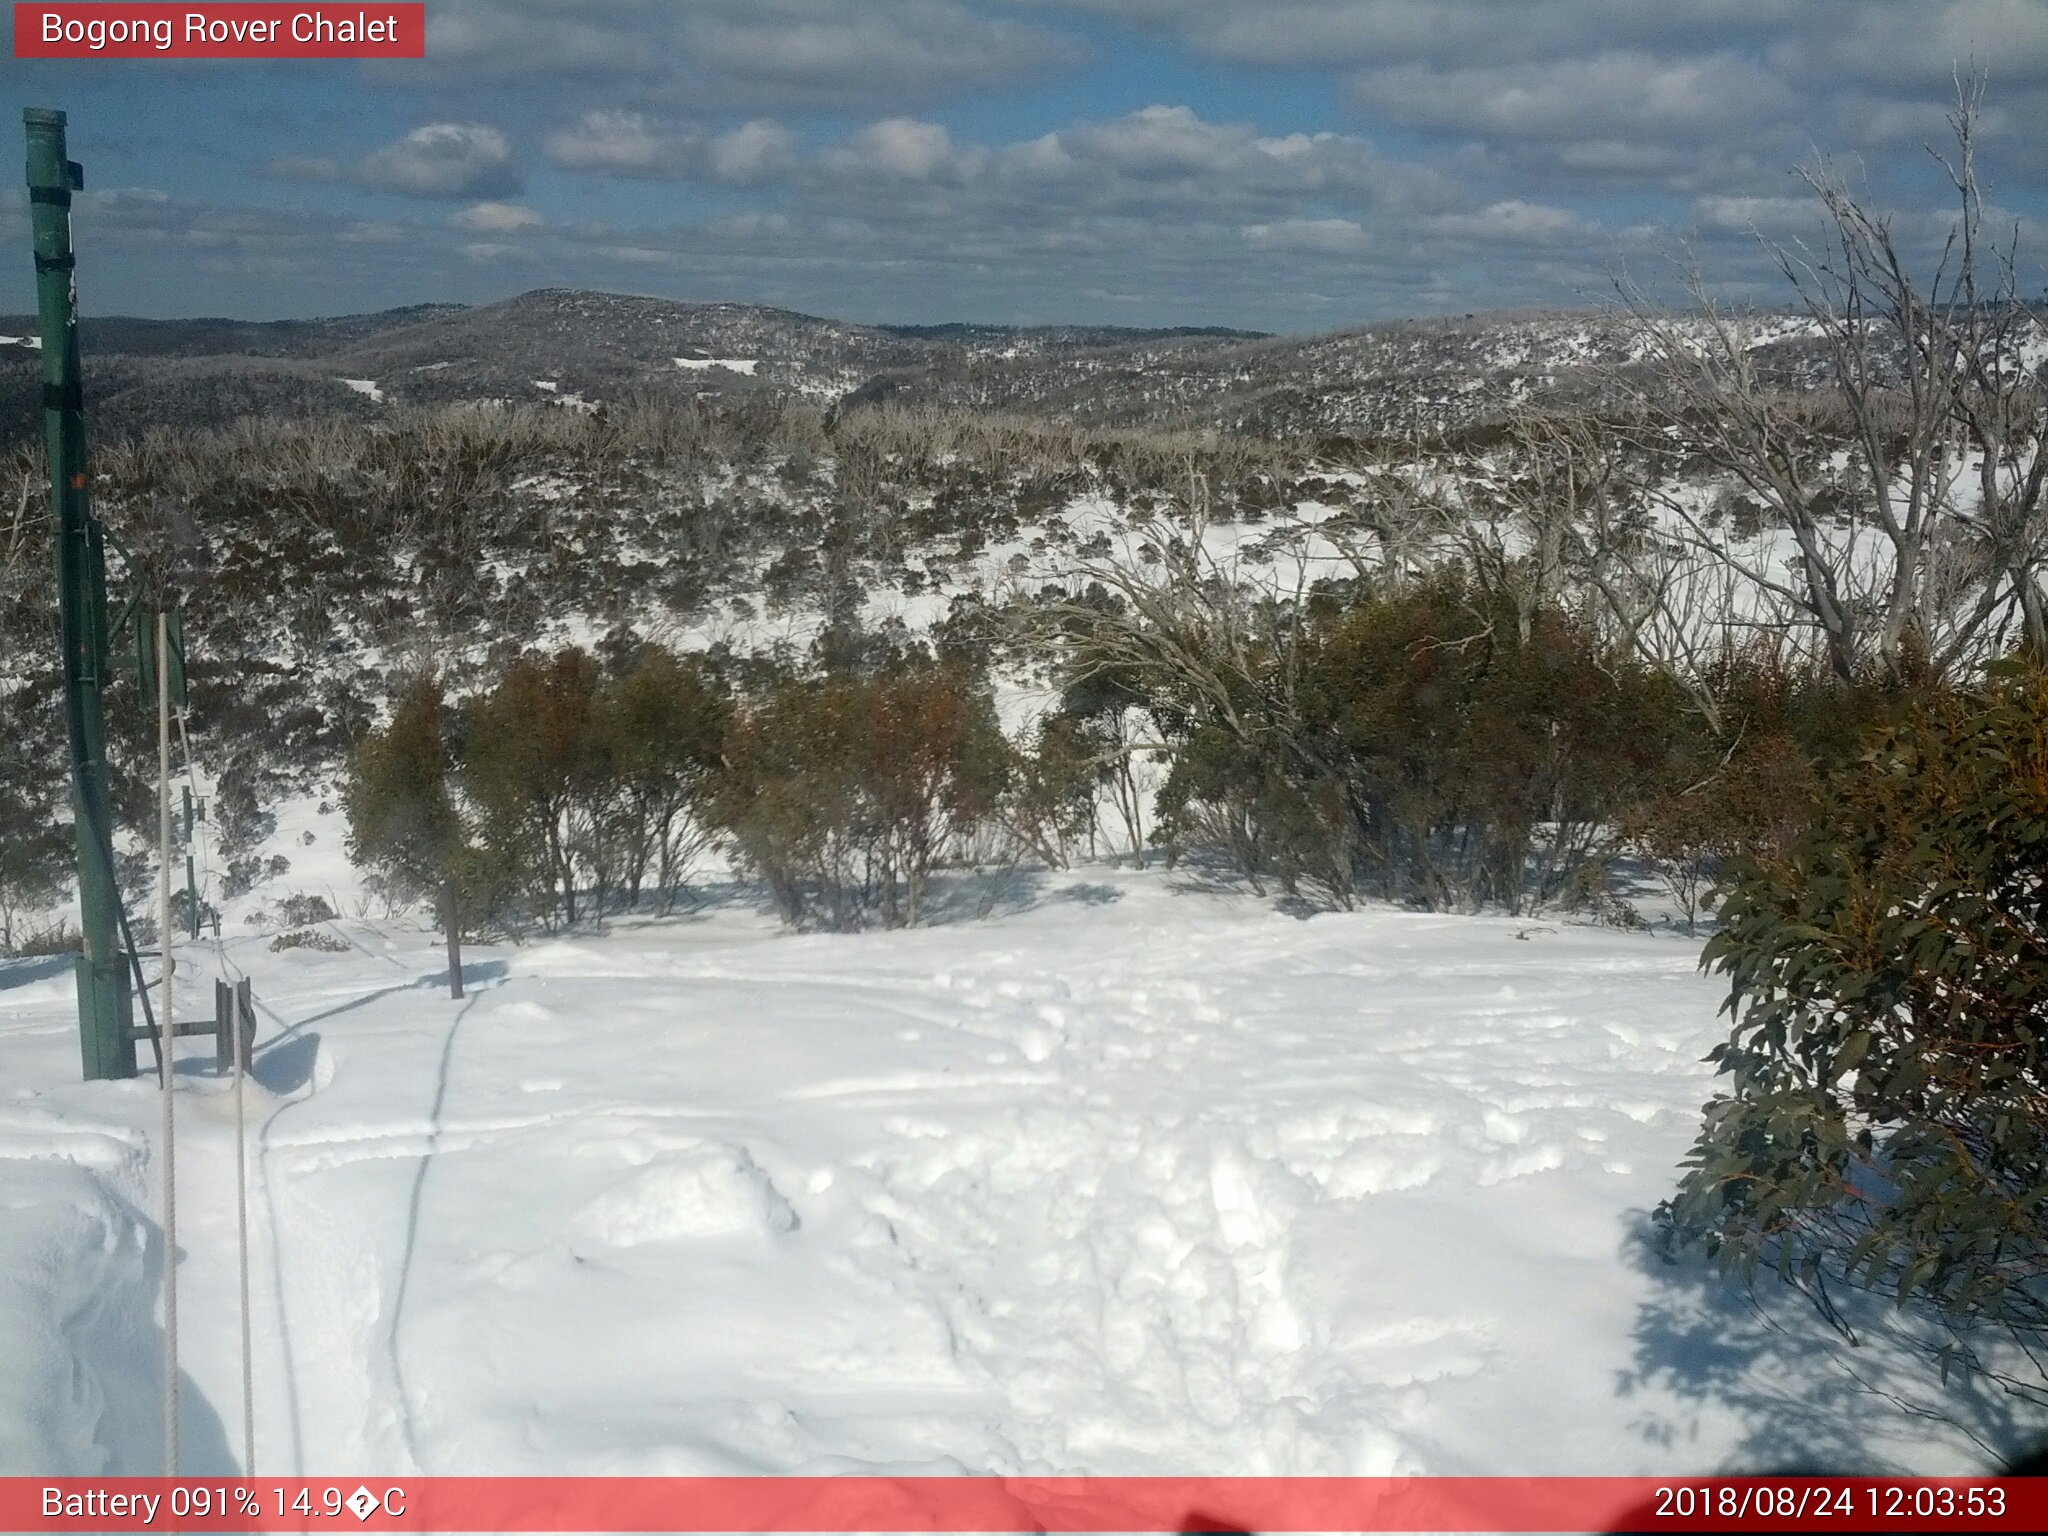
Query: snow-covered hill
{"points": [[1389, 379], [144, 375], [1133, 1176]]}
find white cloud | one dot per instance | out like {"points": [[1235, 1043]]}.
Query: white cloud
{"points": [[1161, 155], [496, 218], [1161, 141], [903, 148], [1330, 237], [1611, 95], [619, 143], [371, 232], [1480, 151], [824, 51], [443, 160], [639, 255], [1919, 44], [1514, 222], [757, 151], [1344, 33], [755, 54], [753, 226], [1737, 215]]}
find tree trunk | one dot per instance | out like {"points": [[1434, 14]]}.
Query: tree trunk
{"points": [[451, 915]]}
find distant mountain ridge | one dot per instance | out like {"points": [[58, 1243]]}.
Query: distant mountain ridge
{"points": [[565, 345], [580, 349]]}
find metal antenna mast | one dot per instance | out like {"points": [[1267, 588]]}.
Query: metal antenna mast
{"points": [[104, 1003]]}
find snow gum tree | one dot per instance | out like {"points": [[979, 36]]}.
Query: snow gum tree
{"points": [[402, 813], [662, 725], [1911, 485], [534, 763]]}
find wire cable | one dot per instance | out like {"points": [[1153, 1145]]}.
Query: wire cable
{"points": [[242, 1042], [166, 1031]]}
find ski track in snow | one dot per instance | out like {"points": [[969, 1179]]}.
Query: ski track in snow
{"points": [[1136, 1180]]}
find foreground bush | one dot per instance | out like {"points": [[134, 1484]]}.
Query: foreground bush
{"points": [[1420, 741], [1885, 1124], [844, 793]]}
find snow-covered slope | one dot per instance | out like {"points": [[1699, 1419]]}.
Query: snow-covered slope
{"points": [[1132, 1176]]}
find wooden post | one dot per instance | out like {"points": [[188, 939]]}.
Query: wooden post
{"points": [[244, 1021], [451, 914], [234, 1024], [245, 1017], [191, 877]]}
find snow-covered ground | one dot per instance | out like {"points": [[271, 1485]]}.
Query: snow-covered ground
{"points": [[1130, 1176]]}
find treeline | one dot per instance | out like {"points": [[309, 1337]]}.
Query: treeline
{"points": [[508, 806], [1418, 741], [301, 546]]}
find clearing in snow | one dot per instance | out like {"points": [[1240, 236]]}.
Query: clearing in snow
{"points": [[1130, 1177]]}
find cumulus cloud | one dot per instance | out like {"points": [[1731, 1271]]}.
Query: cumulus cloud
{"points": [[1608, 96], [1338, 33], [1338, 237], [1199, 205], [1918, 45], [756, 151], [880, 49], [436, 160], [620, 143], [1738, 214], [1474, 151], [444, 160], [496, 218], [1514, 222], [1677, 97], [763, 53], [639, 255], [1162, 141], [900, 147], [1162, 156], [229, 242], [371, 232], [613, 142], [752, 226]]}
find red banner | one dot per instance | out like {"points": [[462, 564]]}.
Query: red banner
{"points": [[998, 1504], [116, 31]]}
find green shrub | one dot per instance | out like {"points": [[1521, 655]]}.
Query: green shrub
{"points": [[309, 938], [1421, 739], [1885, 1120], [845, 793]]}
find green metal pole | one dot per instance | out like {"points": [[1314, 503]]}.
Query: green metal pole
{"points": [[104, 1005]]}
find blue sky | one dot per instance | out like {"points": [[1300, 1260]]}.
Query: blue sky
{"points": [[1287, 165]]}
